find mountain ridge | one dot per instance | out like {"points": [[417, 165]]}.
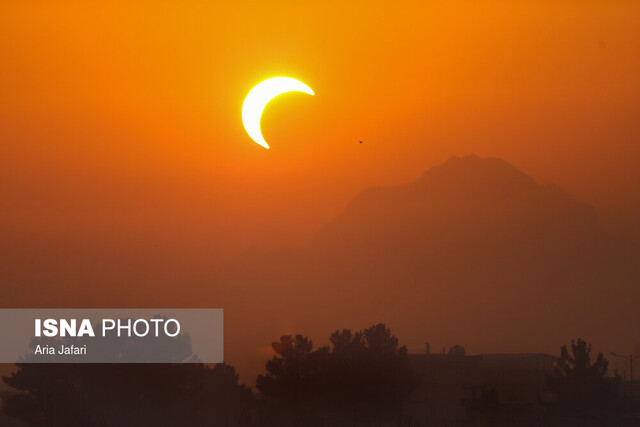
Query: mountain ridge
{"points": [[474, 251]]}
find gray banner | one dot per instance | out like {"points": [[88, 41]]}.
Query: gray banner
{"points": [[36, 335]]}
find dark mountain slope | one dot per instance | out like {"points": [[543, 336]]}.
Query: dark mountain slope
{"points": [[474, 252]]}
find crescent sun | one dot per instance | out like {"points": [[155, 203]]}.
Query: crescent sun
{"points": [[259, 97]]}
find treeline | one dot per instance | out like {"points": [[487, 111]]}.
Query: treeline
{"points": [[129, 395], [361, 378]]}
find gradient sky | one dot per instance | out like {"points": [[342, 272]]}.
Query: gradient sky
{"points": [[121, 137]]}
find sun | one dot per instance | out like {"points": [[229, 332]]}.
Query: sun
{"points": [[259, 97]]}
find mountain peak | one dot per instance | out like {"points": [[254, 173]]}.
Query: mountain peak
{"points": [[466, 195], [471, 168], [474, 250]]}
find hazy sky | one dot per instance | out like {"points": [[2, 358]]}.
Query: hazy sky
{"points": [[121, 134]]}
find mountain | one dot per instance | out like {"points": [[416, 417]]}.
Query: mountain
{"points": [[474, 252]]}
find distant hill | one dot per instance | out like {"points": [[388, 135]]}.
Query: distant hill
{"points": [[474, 252]]}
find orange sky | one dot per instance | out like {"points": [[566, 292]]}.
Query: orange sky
{"points": [[120, 122]]}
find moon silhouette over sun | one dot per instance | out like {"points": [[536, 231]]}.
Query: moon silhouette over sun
{"points": [[259, 97]]}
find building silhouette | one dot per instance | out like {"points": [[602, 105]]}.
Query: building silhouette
{"points": [[458, 388]]}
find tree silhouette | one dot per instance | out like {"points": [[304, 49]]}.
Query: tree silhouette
{"points": [[582, 386], [128, 394], [371, 371], [361, 376], [137, 394]]}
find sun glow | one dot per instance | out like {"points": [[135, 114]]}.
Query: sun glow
{"points": [[259, 97]]}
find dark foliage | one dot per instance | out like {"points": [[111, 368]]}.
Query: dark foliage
{"points": [[360, 377], [128, 394], [582, 386]]}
